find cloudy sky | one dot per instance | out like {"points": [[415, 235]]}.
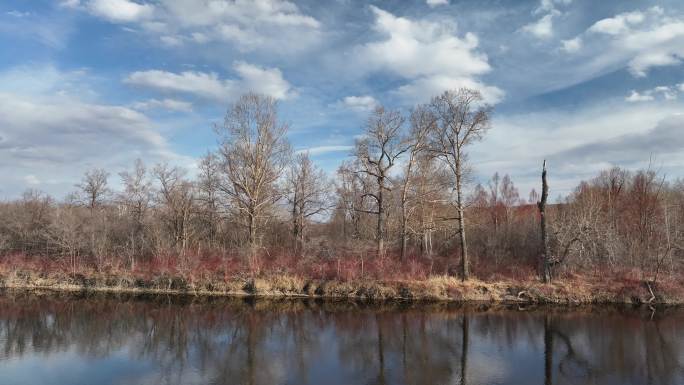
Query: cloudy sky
{"points": [[98, 83]]}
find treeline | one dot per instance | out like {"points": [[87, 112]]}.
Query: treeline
{"points": [[404, 196]]}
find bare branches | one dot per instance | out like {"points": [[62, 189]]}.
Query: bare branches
{"points": [[254, 152]]}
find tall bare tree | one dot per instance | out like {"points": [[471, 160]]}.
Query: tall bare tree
{"points": [[462, 118], [421, 123], [308, 189], [254, 152], [377, 153], [135, 202], [208, 189], [176, 198]]}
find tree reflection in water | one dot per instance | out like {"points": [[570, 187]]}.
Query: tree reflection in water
{"points": [[160, 340]]}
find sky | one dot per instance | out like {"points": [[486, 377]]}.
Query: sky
{"points": [[586, 85]]}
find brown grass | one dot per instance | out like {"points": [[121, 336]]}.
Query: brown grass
{"points": [[380, 280]]}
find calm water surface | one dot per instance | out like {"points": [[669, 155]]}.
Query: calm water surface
{"points": [[106, 340]]}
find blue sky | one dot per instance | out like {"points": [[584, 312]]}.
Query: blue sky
{"points": [[98, 83]]}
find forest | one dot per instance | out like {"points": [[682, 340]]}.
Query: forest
{"points": [[403, 207]]}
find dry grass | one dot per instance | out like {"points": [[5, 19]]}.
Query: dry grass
{"points": [[329, 282]]}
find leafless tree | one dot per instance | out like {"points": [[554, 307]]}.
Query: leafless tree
{"points": [[421, 123], [93, 188], [254, 153], [135, 201], [461, 119], [377, 153], [308, 190], [176, 198], [208, 195]]}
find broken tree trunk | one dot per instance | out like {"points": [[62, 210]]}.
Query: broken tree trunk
{"points": [[545, 268]]}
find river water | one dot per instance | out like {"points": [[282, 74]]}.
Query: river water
{"points": [[98, 340]]}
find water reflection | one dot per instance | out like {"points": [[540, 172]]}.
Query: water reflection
{"points": [[106, 340]]}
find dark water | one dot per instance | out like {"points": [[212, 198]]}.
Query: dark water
{"points": [[105, 340]]}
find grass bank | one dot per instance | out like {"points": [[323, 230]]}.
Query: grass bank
{"points": [[571, 290]]}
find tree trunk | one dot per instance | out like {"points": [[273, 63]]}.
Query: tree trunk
{"points": [[545, 269], [404, 237], [461, 227], [252, 236], [381, 220]]}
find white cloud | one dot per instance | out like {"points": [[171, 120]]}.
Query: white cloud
{"points": [[634, 96], [580, 142], [276, 25], [171, 41], [572, 45], [319, 150], [549, 5], [120, 10], [49, 135], [18, 14], [434, 3], [638, 40], [542, 28], [364, 103], [666, 92], [619, 24], [268, 81], [424, 52], [166, 104]]}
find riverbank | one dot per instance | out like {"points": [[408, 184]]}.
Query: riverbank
{"points": [[568, 290]]}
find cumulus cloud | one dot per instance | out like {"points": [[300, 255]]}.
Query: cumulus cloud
{"points": [[619, 24], [116, 11], [405, 46], [120, 10], [635, 96], [572, 45], [364, 103], [268, 81], [249, 25], [638, 40], [664, 92], [542, 28]]}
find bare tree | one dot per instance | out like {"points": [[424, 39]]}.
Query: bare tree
{"points": [[176, 197], [421, 124], [308, 189], [350, 190], [208, 186], [93, 188], [377, 153], [255, 152], [135, 201], [461, 119]]}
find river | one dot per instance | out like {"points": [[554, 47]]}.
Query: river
{"points": [[96, 339]]}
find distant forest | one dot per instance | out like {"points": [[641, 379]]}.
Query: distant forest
{"points": [[403, 205]]}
